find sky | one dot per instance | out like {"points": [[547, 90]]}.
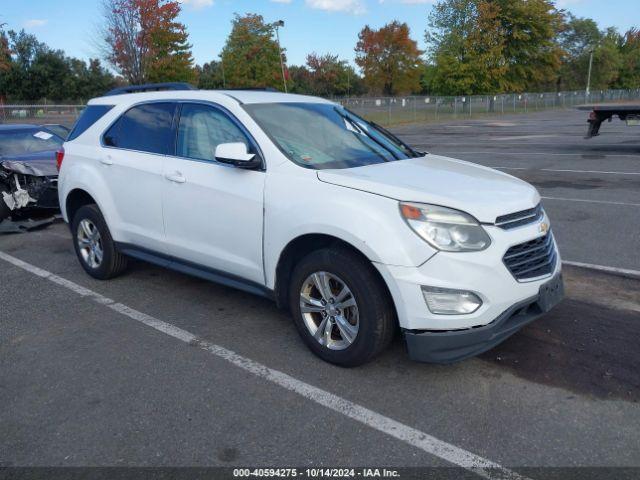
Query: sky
{"points": [[323, 26]]}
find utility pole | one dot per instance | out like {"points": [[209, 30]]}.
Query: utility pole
{"points": [[280, 23], [589, 74], [224, 83]]}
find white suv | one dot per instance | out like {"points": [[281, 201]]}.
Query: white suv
{"points": [[298, 199]]}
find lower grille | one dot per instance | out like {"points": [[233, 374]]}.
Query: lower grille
{"points": [[532, 259]]}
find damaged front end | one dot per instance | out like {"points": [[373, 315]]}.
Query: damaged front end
{"points": [[24, 187]]}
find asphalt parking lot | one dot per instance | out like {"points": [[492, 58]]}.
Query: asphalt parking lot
{"points": [[159, 369]]}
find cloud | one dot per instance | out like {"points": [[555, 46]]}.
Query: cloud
{"points": [[35, 23], [281, 1], [350, 6], [197, 4]]}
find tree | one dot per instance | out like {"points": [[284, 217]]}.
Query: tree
{"points": [[630, 60], [5, 52], [37, 72], [485, 46], [329, 76], [251, 55], [210, 76], [529, 30], [466, 47], [389, 59], [144, 42], [578, 38]]}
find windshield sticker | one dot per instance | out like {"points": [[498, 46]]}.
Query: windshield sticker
{"points": [[43, 135]]}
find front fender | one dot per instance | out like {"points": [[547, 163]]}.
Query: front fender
{"points": [[370, 223]]}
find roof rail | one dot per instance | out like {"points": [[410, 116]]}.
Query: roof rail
{"points": [[251, 89], [150, 87]]}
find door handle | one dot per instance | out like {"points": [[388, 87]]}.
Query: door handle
{"points": [[106, 160], [175, 177]]}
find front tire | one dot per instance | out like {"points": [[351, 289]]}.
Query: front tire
{"points": [[341, 307], [94, 245]]}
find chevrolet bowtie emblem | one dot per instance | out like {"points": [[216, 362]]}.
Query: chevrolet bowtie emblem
{"points": [[544, 227]]}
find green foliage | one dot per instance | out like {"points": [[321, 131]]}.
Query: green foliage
{"points": [[210, 76], [629, 76], [467, 48], [251, 56], [36, 72], [487, 46]]}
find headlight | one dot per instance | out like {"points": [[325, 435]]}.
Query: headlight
{"points": [[445, 228]]}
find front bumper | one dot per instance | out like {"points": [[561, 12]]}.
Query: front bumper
{"points": [[453, 346]]}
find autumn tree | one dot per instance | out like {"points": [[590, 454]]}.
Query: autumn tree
{"points": [[251, 56], [389, 59], [330, 76], [144, 42], [5, 52]]}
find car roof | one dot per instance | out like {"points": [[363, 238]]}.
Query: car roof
{"points": [[241, 96]]}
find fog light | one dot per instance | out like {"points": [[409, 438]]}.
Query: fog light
{"points": [[444, 301]]}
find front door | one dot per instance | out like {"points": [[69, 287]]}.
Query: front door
{"points": [[213, 213]]}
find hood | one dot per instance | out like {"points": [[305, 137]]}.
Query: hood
{"points": [[39, 163], [480, 191]]}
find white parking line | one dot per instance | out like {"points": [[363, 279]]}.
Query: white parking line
{"points": [[546, 154], [604, 202], [381, 423], [604, 268], [603, 172]]}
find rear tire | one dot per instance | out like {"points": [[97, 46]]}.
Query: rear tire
{"points": [[94, 245], [354, 320]]}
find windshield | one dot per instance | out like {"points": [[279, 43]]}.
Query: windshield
{"points": [[321, 136], [18, 142]]}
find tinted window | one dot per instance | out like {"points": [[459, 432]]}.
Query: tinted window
{"points": [[88, 117], [22, 141], [202, 129], [146, 128]]}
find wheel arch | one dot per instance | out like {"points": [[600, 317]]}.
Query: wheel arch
{"points": [[303, 245], [76, 199]]}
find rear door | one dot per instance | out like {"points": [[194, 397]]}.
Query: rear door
{"points": [[132, 160], [213, 212]]}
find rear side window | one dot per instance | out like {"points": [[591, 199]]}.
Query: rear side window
{"points": [[88, 117], [146, 128]]}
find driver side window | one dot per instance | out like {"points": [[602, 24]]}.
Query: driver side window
{"points": [[202, 128]]}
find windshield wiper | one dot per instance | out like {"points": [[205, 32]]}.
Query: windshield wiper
{"points": [[360, 130], [386, 132]]}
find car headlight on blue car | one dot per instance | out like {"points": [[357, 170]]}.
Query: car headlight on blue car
{"points": [[445, 228]]}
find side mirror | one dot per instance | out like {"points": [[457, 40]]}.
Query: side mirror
{"points": [[236, 154]]}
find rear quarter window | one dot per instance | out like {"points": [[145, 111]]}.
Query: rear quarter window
{"points": [[88, 117]]}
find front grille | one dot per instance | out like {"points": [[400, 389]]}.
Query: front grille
{"points": [[518, 219], [531, 259]]}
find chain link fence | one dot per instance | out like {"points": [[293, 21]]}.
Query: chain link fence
{"points": [[40, 113], [411, 109], [384, 110]]}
